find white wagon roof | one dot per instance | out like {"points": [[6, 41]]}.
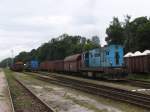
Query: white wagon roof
{"points": [[146, 52], [129, 54], [137, 53]]}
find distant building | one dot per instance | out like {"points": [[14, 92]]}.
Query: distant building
{"points": [[96, 40], [83, 40]]}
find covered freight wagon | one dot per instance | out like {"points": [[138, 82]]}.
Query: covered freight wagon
{"points": [[44, 66], [138, 62], [57, 65], [72, 63], [18, 67], [47, 66]]}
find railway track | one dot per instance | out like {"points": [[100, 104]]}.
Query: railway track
{"points": [[138, 99], [49, 109], [140, 83], [36, 103]]}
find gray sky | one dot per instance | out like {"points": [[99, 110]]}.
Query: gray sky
{"points": [[26, 24]]}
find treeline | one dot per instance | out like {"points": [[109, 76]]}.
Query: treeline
{"points": [[6, 62], [134, 35], [57, 48]]}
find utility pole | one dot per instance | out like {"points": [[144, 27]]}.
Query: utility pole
{"points": [[7, 64], [12, 57]]}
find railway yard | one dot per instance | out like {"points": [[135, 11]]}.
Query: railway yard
{"points": [[74, 56], [53, 92]]}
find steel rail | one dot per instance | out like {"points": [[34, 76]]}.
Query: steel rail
{"points": [[144, 84]]}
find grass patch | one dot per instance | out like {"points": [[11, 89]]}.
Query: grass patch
{"points": [[144, 77], [1, 96]]}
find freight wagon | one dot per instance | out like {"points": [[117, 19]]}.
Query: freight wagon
{"points": [[138, 62], [52, 66], [18, 67], [44, 66], [72, 63], [58, 65]]}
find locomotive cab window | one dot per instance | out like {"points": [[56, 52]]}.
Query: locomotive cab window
{"points": [[107, 52], [117, 57]]}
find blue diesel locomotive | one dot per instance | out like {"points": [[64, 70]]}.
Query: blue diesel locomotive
{"points": [[109, 56], [32, 65], [107, 60]]}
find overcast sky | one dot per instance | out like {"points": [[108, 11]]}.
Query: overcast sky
{"points": [[26, 24]]}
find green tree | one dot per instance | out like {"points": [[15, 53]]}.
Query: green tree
{"points": [[143, 37], [135, 25], [134, 35], [90, 45], [115, 32], [6, 62], [23, 56]]}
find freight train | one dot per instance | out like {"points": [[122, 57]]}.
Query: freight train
{"points": [[108, 61]]}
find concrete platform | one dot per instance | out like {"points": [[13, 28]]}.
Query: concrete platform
{"points": [[5, 99]]}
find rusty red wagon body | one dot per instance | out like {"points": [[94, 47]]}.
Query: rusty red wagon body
{"points": [[138, 64], [72, 63], [57, 65]]}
